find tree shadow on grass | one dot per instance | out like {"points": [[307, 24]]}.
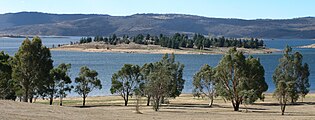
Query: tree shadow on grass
{"points": [[93, 106], [289, 104], [187, 105]]}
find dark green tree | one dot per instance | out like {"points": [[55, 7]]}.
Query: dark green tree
{"points": [[126, 81], [86, 82], [7, 85], [240, 79], [204, 82], [32, 64]]}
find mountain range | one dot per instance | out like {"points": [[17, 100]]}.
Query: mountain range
{"points": [[37, 23]]}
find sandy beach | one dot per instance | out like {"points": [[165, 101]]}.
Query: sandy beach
{"points": [[153, 49], [185, 107], [308, 46]]}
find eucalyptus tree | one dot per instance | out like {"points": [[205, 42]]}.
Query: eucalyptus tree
{"points": [[86, 82], [31, 66], [157, 86], [204, 82], [61, 82], [163, 79], [7, 85], [176, 70], [146, 69], [126, 81], [290, 78], [240, 79]]}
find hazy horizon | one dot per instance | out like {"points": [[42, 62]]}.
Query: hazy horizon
{"points": [[152, 13], [241, 9]]}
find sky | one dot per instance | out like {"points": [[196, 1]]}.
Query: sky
{"points": [[243, 9]]}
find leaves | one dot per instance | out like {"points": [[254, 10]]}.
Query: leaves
{"points": [[87, 81], [240, 79], [291, 77], [126, 81], [31, 66]]}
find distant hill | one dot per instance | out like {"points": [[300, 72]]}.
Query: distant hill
{"points": [[35, 23]]}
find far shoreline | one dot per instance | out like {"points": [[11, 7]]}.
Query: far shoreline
{"points": [[155, 49]]}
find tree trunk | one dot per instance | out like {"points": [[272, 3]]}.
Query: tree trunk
{"points": [[236, 105], [51, 99], [148, 101], [211, 101], [162, 100], [83, 101], [283, 109], [157, 104], [126, 100], [31, 99], [60, 101], [25, 98]]}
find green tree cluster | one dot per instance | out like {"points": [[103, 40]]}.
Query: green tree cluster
{"points": [[178, 41], [30, 74], [158, 80]]}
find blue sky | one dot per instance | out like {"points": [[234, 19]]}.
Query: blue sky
{"points": [[244, 9]]}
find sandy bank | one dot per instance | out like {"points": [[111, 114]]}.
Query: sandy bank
{"points": [[307, 46]]}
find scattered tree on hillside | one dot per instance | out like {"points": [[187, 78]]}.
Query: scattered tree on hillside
{"points": [[204, 82], [290, 78], [31, 66], [86, 82], [61, 82], [126, 81], [240, 79]]}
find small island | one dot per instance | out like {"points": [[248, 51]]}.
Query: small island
{"points": [[178, 44]]}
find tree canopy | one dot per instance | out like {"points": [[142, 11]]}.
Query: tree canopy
{"points": [[290, 78], [86, 82], [204, 82], [126, 81], [7, 85], [164, 79], [61, 82], [240, 79], [31, 66]]}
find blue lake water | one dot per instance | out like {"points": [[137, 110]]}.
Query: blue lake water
{"points": [[108, 63]]}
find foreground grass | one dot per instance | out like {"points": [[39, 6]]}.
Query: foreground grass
{"points": [[183, 107]]}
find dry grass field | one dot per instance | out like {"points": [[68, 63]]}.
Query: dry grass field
{"points": [[185, 107]]}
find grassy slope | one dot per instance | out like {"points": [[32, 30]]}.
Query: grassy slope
{"points": [[183, 107]]}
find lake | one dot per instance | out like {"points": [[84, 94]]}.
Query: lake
{"points": [[108, 63]]}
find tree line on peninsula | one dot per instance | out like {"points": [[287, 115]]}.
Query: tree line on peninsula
{"points": [[178, 41], [237, 78]]}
